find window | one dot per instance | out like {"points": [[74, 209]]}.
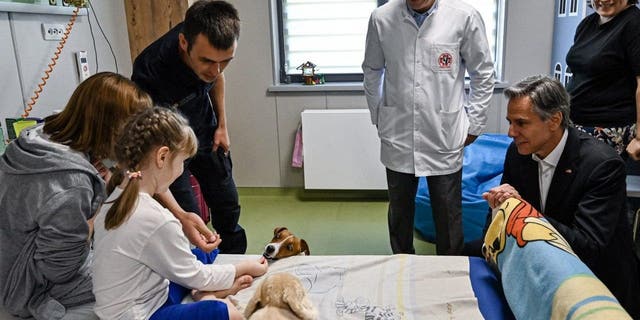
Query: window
{"points": [[567, 76], [573, 7], [562, 8], [557, 72], [331, 34], [328, 33]]}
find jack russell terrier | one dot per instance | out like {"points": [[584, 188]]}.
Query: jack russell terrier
{"points": [[285, 244]]}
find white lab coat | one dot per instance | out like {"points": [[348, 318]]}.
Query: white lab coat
{"points": [[414, 84]]}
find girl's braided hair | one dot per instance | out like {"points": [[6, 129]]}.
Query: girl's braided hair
{"points": [[141, 136]]}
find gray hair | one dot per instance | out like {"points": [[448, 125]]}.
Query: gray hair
{"points": [[547, 95]]}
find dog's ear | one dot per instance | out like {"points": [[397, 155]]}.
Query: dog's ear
{"points": [[295, 297], [278, 230], [304, 247], [253, 304]]}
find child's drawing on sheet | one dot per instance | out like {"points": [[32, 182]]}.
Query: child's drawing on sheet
{"points": [[320, 280], [362, 306]]}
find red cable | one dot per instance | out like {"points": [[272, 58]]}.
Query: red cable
{"points": [[56, 56]]}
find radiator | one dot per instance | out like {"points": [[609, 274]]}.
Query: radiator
{"points": [[341, 150]]}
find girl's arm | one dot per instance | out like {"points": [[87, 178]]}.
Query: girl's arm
{"points": [[167, 253], [192, 225]]}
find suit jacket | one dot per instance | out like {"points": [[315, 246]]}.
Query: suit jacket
{"points": [[587, 204]]}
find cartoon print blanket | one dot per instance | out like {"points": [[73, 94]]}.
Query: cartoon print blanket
{"points": [[541, 276]]}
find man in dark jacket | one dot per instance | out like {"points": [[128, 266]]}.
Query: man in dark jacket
{"points": [[183, 70], [577, 182]]}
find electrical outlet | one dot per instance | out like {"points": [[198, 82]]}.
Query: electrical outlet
{"points": [[52, 31]]}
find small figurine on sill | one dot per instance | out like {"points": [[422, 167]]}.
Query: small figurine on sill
{"points": [[308, 72]]}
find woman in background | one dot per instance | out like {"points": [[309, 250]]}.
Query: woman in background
{"points": [[51, 184], [605, 62]]}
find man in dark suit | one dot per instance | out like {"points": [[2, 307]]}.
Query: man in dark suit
{"points": [[577, 182]]}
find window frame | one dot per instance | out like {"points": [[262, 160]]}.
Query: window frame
{"points": [[568, 75], [282, 78], [562, 8], [573, 8], [557, 72]]}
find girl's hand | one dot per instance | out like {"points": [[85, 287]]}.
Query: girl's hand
{"points": [[198, 233], [254, 268]]}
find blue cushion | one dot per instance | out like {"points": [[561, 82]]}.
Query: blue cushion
{"points": [[482, 167]]}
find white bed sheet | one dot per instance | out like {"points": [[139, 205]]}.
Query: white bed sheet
{"points": [[379, 287], [392, 287]]}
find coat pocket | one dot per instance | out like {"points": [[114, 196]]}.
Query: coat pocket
{"points": [[387, 122], [453, 130]]}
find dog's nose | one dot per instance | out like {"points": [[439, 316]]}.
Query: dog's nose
{"points": [[269, 249]]}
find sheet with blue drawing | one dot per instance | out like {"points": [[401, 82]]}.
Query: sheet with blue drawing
{"points": [[392, 287]]}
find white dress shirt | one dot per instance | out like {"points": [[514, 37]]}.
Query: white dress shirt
{"points": [[547, 167]]}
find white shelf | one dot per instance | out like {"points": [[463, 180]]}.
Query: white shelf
{"points": [[38, 8]]}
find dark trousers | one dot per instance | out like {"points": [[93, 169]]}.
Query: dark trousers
{"points": [[446, 202], [633, 168], [213, 172]]}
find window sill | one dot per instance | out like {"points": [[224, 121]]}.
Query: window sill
{"points": [[342, 86], [327, 87]]}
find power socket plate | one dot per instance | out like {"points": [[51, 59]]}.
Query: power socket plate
{"points": [[52, 31]]}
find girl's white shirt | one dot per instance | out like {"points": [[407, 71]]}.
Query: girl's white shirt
{"points": [[134, 263]]}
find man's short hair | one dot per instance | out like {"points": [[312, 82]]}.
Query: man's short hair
{"points": [[217, 20], [547, 95]]}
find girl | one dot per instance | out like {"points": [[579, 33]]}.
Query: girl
{"points": [[51, 183], [140, 246]]}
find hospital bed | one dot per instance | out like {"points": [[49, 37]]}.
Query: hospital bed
{"points": [[389, 287], [392, 287]]}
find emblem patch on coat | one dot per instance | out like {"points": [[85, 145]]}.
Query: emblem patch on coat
{"points": [[445, 60]]}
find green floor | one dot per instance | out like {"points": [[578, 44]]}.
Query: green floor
{"points": [[332, 223]]}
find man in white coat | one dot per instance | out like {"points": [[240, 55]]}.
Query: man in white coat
{"points": [[416, 55]]}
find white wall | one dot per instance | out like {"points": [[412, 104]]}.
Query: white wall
{"points": [[261, 124], [25, 56], [528, 46]]}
